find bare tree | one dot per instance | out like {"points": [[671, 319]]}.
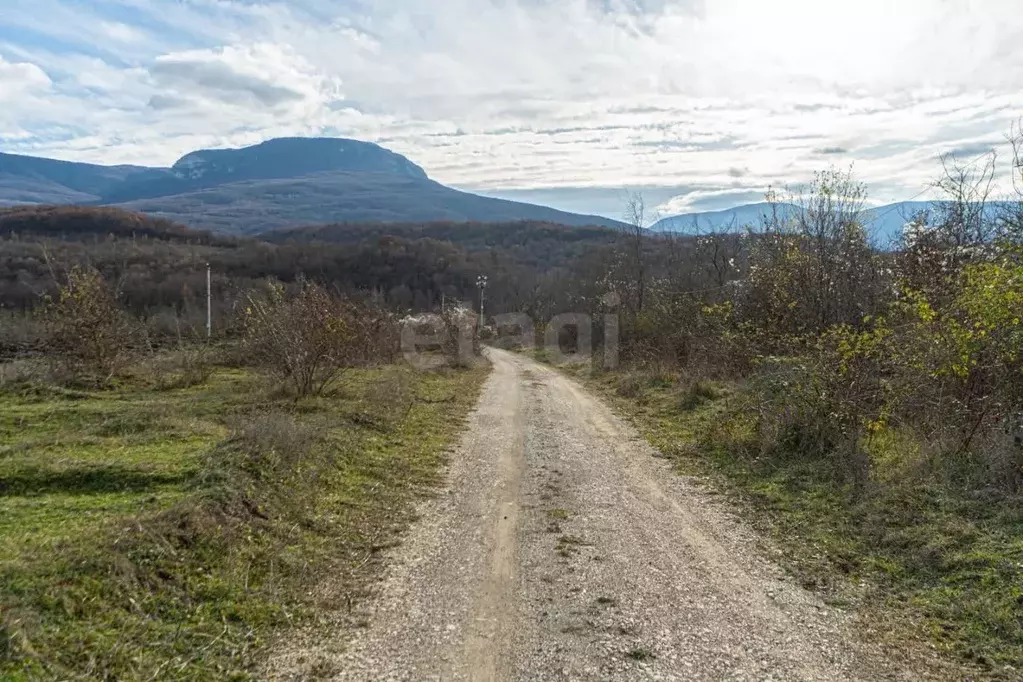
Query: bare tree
{"points": [[1011, 216], [959, 229], [962, 217], [635, 218], [813, 266]]}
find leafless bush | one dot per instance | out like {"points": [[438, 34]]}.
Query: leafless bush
{"points": [[819, 407], [461, 332], [1001, 451], [308, 339], [87, 331]]}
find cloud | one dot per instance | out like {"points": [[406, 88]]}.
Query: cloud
{"points": [[264, 75], [218, 80], [710, 200], [164, 102], [17, 78], [710, 100], [973, 150], [121, 32]]}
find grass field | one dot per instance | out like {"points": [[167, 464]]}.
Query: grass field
{"points": [[916, 559], [154, 533]]}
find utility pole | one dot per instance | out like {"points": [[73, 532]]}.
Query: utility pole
{"points": [[209, 303], [481, 282]]}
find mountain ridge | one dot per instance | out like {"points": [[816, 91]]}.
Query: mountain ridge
{"points": [[282, 182], [885, 223]]}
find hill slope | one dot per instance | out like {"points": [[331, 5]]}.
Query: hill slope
{"points": [[884, 223], [752, 215], [278, 183]]}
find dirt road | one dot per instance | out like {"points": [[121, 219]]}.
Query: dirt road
{"points": [[564, 549]]}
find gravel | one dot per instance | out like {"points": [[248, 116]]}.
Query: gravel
{"points": [[563, 548]]}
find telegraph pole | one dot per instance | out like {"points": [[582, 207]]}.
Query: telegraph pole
{"points": [[209, 303], [481, 282]]}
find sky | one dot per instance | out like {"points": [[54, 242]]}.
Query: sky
{"points": [[697, 104]]}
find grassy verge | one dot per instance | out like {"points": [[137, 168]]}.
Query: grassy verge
{"points": [[915, 558], [154, 533]]}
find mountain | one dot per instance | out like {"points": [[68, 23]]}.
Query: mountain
{"points": [[33, 180], [884, 223], [751, 215], [278, 183]]}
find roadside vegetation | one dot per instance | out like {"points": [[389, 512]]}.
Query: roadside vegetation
{"points": [[170, 506], [866, 407]]}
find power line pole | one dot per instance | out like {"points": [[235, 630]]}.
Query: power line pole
{"points": [[481, 282], [209, 303]]}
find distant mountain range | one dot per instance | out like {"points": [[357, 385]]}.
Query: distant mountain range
{"points": [[884, 223], [279, 183]]}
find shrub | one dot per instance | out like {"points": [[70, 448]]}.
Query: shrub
{"points": [[957, 368], [823, 404], [308, 339], [86, 329]]}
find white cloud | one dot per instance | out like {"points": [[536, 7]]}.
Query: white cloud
{"points": [[716, 98], [261, 75], [122, 32]]}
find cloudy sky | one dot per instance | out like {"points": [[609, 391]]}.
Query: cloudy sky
{"points": [[701, 104]]}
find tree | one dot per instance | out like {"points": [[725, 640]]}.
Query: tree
{"points": [[635, 217], [87, 330]]}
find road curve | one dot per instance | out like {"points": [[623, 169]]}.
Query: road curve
{"points": [[563, 548]]}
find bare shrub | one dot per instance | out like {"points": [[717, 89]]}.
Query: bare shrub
{"points": [[87, 331], [630, 385], [821, 406], [1001, 451], [308, 339], [453, 335]]}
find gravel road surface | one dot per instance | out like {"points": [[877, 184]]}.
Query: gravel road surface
{"points": [[563, 548]]}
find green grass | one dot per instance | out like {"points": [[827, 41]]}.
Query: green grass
{"points": [[918, 559], [142, 537]]}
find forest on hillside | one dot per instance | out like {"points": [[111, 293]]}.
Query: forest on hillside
{"points": [[160, 267]]}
